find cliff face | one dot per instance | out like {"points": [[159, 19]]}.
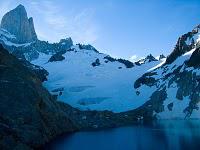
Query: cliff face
{"points": [[17, 22]]}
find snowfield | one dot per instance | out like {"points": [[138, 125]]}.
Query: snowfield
{"points": [[108, 86], [89, 80]]}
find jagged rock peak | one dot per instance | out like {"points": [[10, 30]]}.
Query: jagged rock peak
{"points": [[162, 57], [21, 7], [67, 40], [147, 59], [17, 23], [150, 58], [185, 43]]}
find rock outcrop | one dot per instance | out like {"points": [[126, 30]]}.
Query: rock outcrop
{"points": [[57, 57], [17, 23], [88, 47], [96, 63], [161, 57], [194, 60], [127, 63], [184, 44]]}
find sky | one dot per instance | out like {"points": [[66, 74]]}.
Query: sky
{"points": [[128, 29]]}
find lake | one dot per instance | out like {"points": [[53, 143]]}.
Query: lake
{"points": [[162, 135]]}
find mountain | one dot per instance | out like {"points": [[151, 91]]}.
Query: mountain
{"points": [[161, 57], [147, 59], [17, 23], [18, 36], [176, 80], [81, 76]]}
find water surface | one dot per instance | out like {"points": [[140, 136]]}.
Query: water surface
{"points": [[162, 135]]}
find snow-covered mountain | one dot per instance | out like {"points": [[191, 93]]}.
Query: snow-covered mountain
{"points": [[79, 74], [174, 84], [149, 58], [83, 77], [17, 34]]}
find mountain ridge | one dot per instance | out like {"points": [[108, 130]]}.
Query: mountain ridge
{"points": [[86, 63]]}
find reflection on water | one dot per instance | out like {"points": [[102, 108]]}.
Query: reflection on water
{"points": [[163, 135]]}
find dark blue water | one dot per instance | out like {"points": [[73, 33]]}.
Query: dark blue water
{"points": [[163, 135]]}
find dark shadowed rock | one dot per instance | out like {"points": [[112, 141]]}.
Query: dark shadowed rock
{"points": [[56, 57], [87, 47], [170, 106], [150, 58], [127, 63], [145, 79], [40, 72], [96, 63], [29, 115], [194, 60], [184, 44]]}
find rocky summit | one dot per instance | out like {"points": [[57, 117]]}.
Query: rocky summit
{"points": [[17, 23]]}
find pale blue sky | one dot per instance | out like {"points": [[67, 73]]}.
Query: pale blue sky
{"points": [[121, 28]]}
